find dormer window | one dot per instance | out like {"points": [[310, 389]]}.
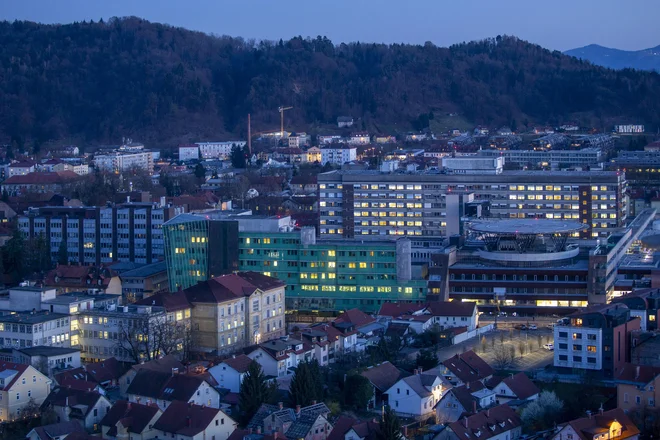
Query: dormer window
{"points": [[477, 434]]}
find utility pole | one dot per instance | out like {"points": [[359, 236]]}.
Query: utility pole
{"points": [[249, 136], [282, 109]]}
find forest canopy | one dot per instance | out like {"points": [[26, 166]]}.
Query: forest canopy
{"points": [[99, 81]]}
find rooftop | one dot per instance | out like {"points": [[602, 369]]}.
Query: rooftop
{"points": [[528, 226], [146, 270], [43, 350], [32, 318]]}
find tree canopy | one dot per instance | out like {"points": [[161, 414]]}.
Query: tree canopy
{"points": [[254, 391], [101, 81]]}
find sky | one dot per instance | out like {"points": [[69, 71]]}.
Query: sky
{"points": [[554, 24]]}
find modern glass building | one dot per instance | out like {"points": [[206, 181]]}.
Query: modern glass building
{"points": [[324, 275]]}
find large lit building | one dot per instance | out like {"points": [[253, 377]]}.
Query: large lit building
{"points": [[395, 203], [121, 161], [94, 235], [561, 158], [324, 275]]}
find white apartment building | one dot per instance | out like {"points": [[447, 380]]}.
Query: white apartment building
{"points": [[338, 154], [188, 152], [392, 204], [215, 150], [119, 162], [94, 235], [31, 329]]}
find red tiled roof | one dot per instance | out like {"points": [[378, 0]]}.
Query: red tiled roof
{"points": [[42, 178], [19, 368], [356, 317], [488, 423], [341, 427], [521, 386], [187, 419], [383, 376], [642, 374], [134, 416], [585, 426], [77, 384], [452, 308], [468, 367], [172, 301], [397, 309], [105, 371], [239, 434], [22, 164], [240, 363], [228, 287], [70, 397]]}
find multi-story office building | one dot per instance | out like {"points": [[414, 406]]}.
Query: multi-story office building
{"points": [[393, 204], [642, 168], [121, 161], [31, 329], [566, 158], [94, 235], [596, 339], [321, 275], [189, 152], [144, 281]]}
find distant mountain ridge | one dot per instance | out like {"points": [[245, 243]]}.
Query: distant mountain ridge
{"points": [[646, 59]]}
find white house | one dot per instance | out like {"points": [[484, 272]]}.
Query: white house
{"points": [[88, 407], [613, 424], [184, 421], [20, 384], [498, 423], [229, 373], [446, 314], [273, 362], [516, 387], [21, 168], [416, 395], [48, 358], [164, 388], [130, 420], [359, 139], [468, 398], [57, 431], [344, 121]]}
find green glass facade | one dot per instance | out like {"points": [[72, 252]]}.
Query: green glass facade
{"points": [[330, 275]]}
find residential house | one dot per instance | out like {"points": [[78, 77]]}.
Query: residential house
{"points": [[464, 399], [130, 420], [638, 389], [346, 428], [313, 155], [330, 139], [415, 396], [88, 407], [481, 131], [56, 431], [446, 314], [309, 423], [304, 184], [319, 341], [20, 168], [290, 155], [344, 121], [249, 434], [417, 323], [342, 338], [384, 139], [360, 138], [166, 364], [20, 385], [77, 278], [382, 376], [498, 423], [162, 388], [514, 387], [273, 359], [229, 373], [613, 424], [48, 359], [465, 367], [194, 422], [105, 373], [299, 140]]}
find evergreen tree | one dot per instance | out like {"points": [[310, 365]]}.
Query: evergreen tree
{"points": [[306, 384], [62, 253], [15, 250], [426, 359], [237, 157], [358, 391], [39, 254], [254, 392], [200, 171], [390, 426]]}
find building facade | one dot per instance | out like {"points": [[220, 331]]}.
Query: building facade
{"points": [[338, 154], [94, 235], [119, 161], [215, 150]]}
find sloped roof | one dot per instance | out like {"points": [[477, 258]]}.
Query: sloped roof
{"points": [[399, 308], [452, 308], [585, 426], [240, 363], [107, 370], [487, 424], [5, 367], [244, 434], [641, 374], [383, 376], [134, 416], [42, 178], [232, 286], [49, 432], [71, 397], [163, 385], [521, 385], [342, 425], [165, 364], [83, 385], [419, 382], [468, 367], [187, 419], [171, 301], [354, 316]]}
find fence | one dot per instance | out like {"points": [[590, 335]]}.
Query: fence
{"points": [[473, 333]]}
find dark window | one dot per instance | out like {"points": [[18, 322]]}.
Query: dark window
{"points": [[577, 358]]}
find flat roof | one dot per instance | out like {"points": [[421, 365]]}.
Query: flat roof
{"points": [[46, 351], [528, 226], [29, 318], [146, 270], [72, 297]]}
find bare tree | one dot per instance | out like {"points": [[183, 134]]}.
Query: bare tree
{"points": [[502, 357], [150, 337], [521, 348], [543, 412], [484, 344]]}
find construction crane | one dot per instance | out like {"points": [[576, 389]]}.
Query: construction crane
{"points": [[282, 109]]}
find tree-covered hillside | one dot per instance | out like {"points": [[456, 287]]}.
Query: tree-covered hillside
{"points": [[100, 81]]}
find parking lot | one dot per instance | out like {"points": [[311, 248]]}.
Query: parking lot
{"points": [[535, 356]]}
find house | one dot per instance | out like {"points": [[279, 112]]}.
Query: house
{"points": [[309, 423], [344, 121], [47, 358], [415, 396], [446, 314], [88, 407], [165, 364], [504, 131], [514, 387], [464, 399], [56, 431], [466, 367], [313, 155], [481, 131], [278, 356], [417, 323], [382, 376], [104, 373], [304, 184], [185, 421], [613, 424], [229, 373], [250, 434], [130, 420], [338, 154], [329, 139], [384, 139], [347, 428], [342, 338], [38, 182], [638, 388], [73, 278], [319, 341], [20, 385], [360, 138], [20, 168], [356, 317], [163, 388], [498, 423]]}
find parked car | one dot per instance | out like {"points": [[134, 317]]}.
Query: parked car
{"points": [[533, 327], [521, 327], [549, 347]]}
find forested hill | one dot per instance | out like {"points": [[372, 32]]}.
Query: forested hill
{"points": [[128, 77]]}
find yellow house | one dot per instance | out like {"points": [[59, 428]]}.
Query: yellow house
{"points": [[314, 155], [21, 386]]}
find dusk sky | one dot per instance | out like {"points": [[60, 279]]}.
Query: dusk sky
{"points": [[555, 24]]}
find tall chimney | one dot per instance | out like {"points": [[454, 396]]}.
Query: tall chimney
{"points": [[297, 410], [474, 406], [465, 422], [280, 405]]}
